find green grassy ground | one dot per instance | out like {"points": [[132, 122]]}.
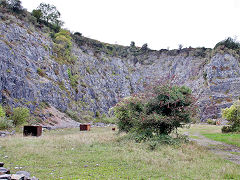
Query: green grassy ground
{"points": [[233, 139], [202, 129], [213, 132], [102, 154]]}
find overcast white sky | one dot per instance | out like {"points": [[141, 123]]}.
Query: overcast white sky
{"points": [[160, 23]]}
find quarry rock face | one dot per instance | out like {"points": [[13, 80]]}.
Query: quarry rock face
{"points": [[30, 75]]}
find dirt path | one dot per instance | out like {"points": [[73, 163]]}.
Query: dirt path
{"points": [[226, 151]]}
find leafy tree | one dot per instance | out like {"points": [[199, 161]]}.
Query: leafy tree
{"points": [[15, 5], [144, 47], [180, 46], [157, 112], [132, 44], [3, 3], [37, 13], [50, 14]]}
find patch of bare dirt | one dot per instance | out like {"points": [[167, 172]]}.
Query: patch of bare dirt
{"points": [[57, 119]]}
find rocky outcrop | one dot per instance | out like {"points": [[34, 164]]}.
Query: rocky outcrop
{"points": [[31, 75], [19, 175]]}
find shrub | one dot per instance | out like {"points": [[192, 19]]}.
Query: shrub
{"points": [[210, 121], [128, 112], [205, 76], [160, 111], [232, 114], [78, 34], [226, 129], [20, 115], [228, 43], [5, 123]]}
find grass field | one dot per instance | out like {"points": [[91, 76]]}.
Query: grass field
{"points": [[202, 129], [213, 132], [233, 139], [103, 154]]}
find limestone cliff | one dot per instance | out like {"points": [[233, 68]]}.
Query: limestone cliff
{"points": [[31, 74]]}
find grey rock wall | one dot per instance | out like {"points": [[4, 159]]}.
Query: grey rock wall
{"points": [[103, 78]]}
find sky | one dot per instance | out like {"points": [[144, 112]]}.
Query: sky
{"points": [[161, 24]]}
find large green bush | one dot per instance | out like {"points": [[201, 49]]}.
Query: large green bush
{"points": [[232, 114], [20, 115], [128, 112], [159, 111]]}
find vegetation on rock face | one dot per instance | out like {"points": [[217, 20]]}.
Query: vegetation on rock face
{"points": [[63, 47], [228, 43], [40, 72], [232, 114], [2, 112], [159, 111], [73, 79]]}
